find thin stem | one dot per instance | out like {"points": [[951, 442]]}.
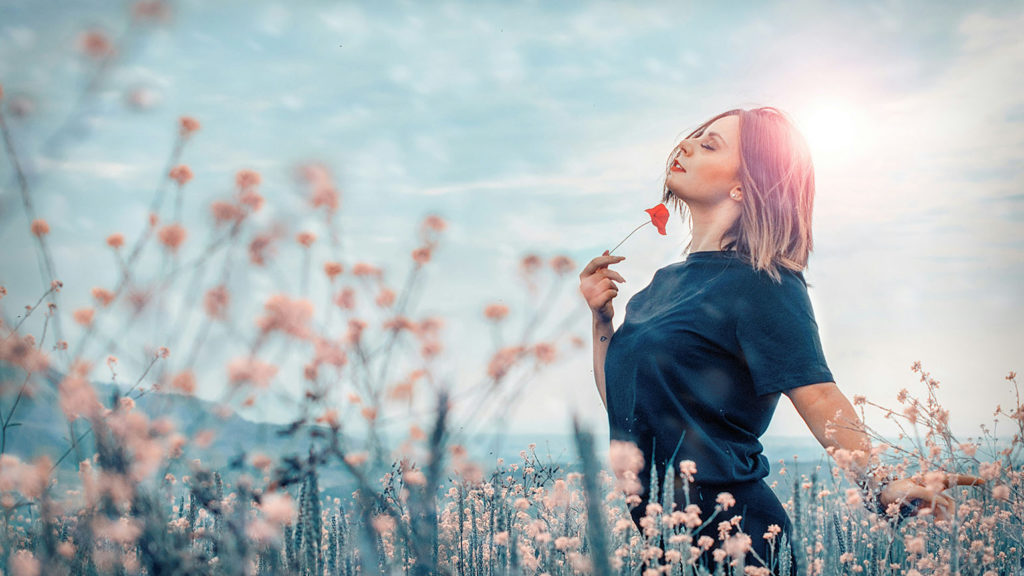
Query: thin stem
{"points": [[627, 237]]}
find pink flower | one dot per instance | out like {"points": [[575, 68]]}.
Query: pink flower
{"points": [[151, 10], [224, 212], [356, 458], [184, 382], [251, 198], [737, 545], [332, 269], [362, 269], [325, 196], [421, 255], [314, 173], [77, 396], [24, 563], [385, 298], [434, 223], [246, 179], [261, 247], [187, 125], [355, 330], [687, 468], [562, 265], [496, 312], [249, 369], [346, 298], [172, 236], [503, 361], [915, 545], [431, 229], [261, 461], [181, 174], [627, 460], [22, 352], [331, 418], [530, 263], [545, 353], [726, 500], [286, 315], [103, 296], [277, 508], [305, 238], [216, 302], [383, 524], [84, 316], [95, 44], [115, 241], [329, 352], [40, 228]]}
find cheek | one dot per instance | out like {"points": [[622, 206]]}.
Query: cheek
{"points": [[722, 172]]}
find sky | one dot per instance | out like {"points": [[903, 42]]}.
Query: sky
{"points": [[543, 127]]}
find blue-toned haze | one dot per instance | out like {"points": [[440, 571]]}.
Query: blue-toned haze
{"points": [[543, 128]]}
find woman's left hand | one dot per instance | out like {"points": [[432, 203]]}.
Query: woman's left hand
{"points": [[907, 489]]}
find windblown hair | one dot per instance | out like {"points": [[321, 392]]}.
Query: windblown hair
{"points": [[777, 176]]}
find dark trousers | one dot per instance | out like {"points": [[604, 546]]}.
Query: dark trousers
{"points": [[756, 504]]}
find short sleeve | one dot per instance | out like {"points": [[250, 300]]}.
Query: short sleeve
{"points": [[778, 335]]}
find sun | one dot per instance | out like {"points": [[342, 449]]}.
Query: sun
{"points": [[835, 131]]}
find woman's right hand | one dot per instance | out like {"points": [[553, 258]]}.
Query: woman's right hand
{"points": [[597, 284]]}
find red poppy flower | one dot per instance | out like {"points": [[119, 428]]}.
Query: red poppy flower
{"points": [[659, 217]]}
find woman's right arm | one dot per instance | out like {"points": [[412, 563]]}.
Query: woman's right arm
{"points": [[597, 284]]}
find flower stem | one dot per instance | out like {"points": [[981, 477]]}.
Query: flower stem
{"points": [[627, 237]]}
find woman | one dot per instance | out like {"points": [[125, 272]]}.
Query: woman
{"points": [[696, 369]]}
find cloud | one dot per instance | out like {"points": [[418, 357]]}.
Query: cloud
{"points": [[122, 171]]}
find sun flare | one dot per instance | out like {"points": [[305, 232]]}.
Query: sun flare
{"points": [[834, 131]]}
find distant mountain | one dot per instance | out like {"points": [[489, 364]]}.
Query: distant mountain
{"points": [[41, 429]]}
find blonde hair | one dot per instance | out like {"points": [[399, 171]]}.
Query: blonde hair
{"points": [[777, 177]]}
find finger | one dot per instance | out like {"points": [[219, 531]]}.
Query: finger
{"points": [[608, 295], [954, 479], [940, 505], [609, 273], [600, 262], [595, 285]]}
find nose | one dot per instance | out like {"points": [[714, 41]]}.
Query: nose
{"points": [[685, 147]]}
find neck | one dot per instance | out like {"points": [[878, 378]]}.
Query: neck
{"points": [[710, 224]]}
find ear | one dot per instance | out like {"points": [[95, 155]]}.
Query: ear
{"points": [[736, 193]]}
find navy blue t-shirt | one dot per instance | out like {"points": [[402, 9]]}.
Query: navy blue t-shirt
{"points": [[696, 368]]}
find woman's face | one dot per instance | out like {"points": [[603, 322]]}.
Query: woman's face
{"points": [[706, 167]]}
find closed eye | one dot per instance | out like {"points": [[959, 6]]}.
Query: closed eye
{"points": [[707, 147]]}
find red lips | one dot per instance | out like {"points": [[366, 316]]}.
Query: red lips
{"points": [[676, 167]]}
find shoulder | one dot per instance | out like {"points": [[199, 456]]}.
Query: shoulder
{"points": [[760, 291]]}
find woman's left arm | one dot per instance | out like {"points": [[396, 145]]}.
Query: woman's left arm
{"points": [[834, 422]]}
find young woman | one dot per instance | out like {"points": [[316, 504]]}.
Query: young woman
{"points": [[704, 352]]}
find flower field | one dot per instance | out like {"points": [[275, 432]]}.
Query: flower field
{"points": [[111, 465]]}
